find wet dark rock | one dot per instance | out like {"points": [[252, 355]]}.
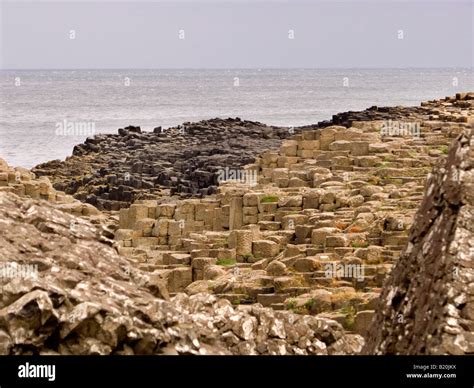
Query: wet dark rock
{"points": [[182, 160]]}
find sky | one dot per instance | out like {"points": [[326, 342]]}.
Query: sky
{"points": [[236, 34]]}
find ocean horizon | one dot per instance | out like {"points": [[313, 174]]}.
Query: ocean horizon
{"points": [[37, 106]]}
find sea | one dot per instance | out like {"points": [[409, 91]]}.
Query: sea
{"points": [[44, 113]]}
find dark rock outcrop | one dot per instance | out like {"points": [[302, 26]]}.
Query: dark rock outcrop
{"points": [[112, 171]]}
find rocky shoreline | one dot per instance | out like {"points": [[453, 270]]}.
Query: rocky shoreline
{"points": [[323, 251], [112, 171]]}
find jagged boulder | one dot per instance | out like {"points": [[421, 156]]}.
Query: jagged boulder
{"points": [[427, 305]]}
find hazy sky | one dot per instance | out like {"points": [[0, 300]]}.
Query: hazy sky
{"points": [[236, 34]]}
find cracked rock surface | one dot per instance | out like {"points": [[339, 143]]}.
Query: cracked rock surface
{"points": [[427, 304], [79, 296]]}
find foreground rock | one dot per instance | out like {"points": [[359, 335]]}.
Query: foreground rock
{"points": [[112, 171], [65, 292], [427, 306]]}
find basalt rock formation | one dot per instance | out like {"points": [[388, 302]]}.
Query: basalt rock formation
{"points": [[320, 230], [112, 171], [396, 113], [427, 306]]}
